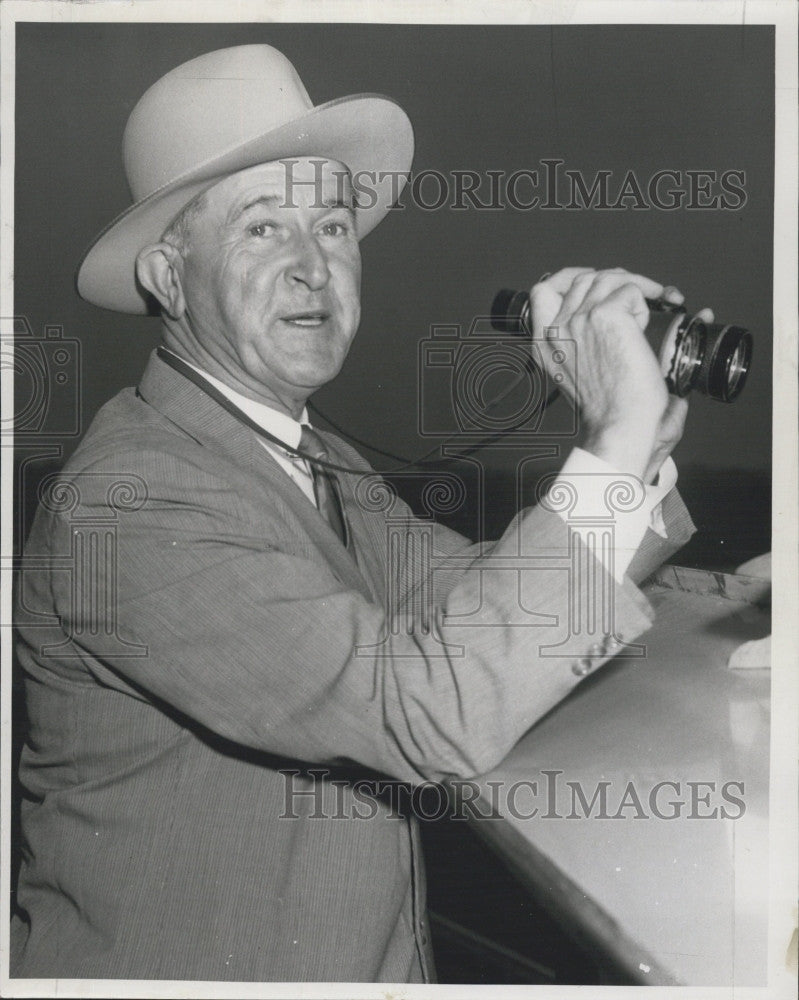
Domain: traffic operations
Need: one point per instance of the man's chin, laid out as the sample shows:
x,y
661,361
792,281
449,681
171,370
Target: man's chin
x,y
310,380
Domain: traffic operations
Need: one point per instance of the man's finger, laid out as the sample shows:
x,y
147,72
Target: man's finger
x,y
629,296
705,315
603,283
673,295
651,289
545,304
561,281
576,296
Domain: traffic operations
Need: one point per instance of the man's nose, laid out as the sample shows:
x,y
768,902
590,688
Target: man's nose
x,y
308,265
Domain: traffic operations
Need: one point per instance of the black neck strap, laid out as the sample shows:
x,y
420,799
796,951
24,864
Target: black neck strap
x,y
186,370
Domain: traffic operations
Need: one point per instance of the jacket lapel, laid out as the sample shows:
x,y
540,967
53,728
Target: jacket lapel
x,y
199,416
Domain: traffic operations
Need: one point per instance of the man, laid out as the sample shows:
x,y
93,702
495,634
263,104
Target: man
x,y
240,628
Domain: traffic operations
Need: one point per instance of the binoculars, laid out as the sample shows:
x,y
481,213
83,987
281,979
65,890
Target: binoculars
x,y
711,358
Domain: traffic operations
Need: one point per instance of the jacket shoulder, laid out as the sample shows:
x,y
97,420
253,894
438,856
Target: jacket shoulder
x,y
133,456
126,425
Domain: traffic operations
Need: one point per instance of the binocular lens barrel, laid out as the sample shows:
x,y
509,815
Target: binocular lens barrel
x,y
711,358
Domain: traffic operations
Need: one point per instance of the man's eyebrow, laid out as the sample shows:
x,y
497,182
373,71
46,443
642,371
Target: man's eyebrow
x,y
338,203
268,200
278,201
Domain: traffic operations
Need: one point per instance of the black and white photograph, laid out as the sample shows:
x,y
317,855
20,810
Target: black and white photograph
x,y
399,512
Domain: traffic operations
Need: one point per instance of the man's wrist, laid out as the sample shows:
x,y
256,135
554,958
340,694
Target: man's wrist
x,y
625,447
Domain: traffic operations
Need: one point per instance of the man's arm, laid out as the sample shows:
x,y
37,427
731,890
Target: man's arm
x,y
253,637
265,647
629,424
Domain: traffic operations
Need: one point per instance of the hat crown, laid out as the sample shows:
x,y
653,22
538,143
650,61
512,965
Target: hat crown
x,y
204,108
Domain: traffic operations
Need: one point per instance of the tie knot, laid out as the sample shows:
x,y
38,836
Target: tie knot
x,y
312,444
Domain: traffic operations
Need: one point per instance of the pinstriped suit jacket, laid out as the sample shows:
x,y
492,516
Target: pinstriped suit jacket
x,y
211,632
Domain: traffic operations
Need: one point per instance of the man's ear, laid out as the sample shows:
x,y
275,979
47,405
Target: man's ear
x,y
158,270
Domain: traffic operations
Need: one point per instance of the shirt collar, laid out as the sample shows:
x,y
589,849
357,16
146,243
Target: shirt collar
x,y
281,425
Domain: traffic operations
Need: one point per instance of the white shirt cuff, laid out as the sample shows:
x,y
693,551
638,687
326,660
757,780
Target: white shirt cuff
x,y
592,482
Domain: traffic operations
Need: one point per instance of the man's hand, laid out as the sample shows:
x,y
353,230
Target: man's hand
x,y
627,416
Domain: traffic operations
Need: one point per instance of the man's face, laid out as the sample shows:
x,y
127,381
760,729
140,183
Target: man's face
x,y
271,276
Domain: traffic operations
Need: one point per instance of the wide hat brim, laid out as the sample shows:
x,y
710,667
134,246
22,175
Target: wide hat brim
x,y
370,134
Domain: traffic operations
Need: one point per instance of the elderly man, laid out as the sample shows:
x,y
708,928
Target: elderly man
x,y
248,626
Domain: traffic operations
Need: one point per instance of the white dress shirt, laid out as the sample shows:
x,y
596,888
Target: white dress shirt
x,y
281,425
589,476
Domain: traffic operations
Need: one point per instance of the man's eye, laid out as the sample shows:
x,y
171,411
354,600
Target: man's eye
x,y
335,229
261,229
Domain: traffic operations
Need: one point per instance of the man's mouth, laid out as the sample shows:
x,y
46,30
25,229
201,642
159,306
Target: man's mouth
x,y
313,318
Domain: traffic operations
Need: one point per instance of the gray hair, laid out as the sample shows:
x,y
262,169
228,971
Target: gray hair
x,y
178,232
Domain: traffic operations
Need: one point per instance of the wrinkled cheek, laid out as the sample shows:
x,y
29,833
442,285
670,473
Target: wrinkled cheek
x,y
246,305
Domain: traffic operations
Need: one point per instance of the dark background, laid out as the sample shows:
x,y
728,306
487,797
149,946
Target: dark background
x,y
481,98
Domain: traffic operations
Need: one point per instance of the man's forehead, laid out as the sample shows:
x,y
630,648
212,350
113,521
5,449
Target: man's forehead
x,y
292,181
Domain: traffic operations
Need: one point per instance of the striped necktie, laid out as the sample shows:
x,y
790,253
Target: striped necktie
x,y
325,486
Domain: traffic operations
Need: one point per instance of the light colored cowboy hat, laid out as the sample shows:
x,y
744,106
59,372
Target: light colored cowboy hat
x,y
220,113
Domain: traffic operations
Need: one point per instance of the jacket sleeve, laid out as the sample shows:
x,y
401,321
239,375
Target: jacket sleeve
x,y
652,552
263,645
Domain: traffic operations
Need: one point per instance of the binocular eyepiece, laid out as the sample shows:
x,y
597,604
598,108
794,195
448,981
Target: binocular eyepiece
x,y
712,358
